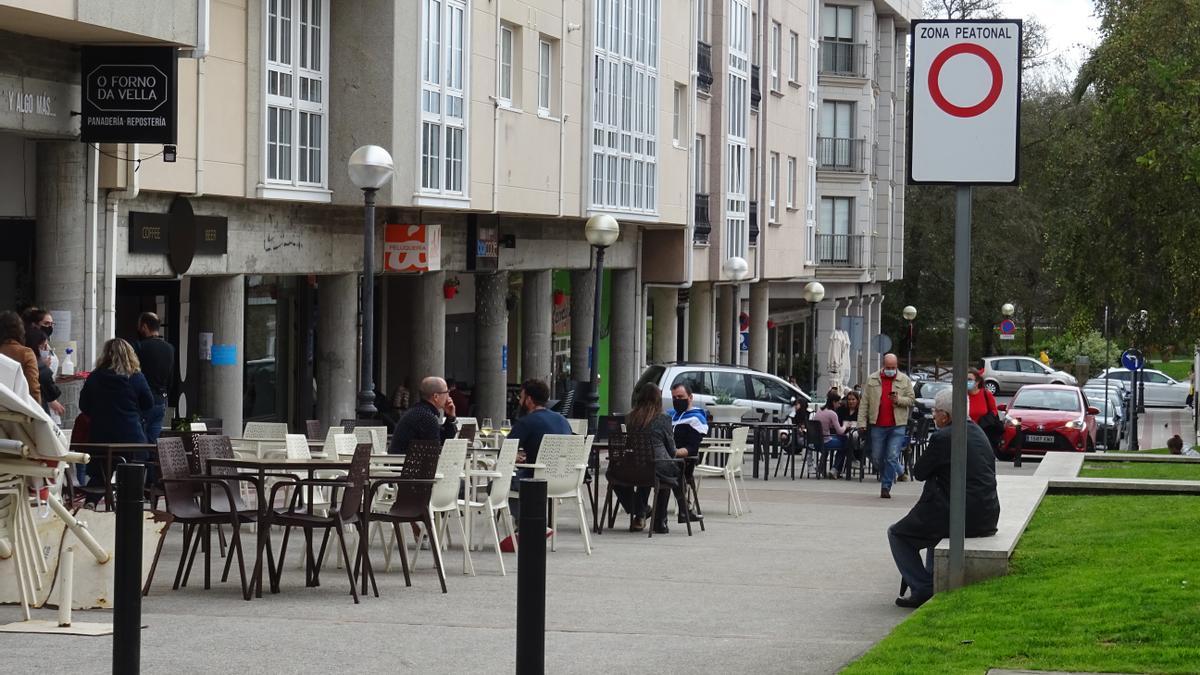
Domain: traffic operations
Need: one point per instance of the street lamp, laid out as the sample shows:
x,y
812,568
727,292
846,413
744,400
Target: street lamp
x,y
1007,310
814,292
370,168
910,314
736,268
601,231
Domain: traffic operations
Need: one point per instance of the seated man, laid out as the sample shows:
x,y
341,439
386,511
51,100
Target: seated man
x,y
535,422
690,427
929,521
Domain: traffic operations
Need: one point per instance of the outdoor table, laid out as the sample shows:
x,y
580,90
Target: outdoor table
x,y
110,449
768,431
598,446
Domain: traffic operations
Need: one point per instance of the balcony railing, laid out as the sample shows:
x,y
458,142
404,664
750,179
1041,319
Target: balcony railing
x,y
703,222
704,78
841,154
755,87
841,250
753,223
846,59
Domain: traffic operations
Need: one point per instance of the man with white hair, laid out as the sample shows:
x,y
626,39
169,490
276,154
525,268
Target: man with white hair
x,y
884,411
929,520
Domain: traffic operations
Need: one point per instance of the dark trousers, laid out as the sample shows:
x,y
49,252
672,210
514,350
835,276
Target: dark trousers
x,y
636,501
153,421
906,551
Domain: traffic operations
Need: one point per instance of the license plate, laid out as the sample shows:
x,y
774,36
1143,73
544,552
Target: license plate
x,y
1039,438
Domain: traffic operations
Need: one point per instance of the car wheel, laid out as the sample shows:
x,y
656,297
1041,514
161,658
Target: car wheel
x,y
992,387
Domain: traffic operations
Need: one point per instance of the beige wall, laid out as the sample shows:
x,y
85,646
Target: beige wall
x,y
99,21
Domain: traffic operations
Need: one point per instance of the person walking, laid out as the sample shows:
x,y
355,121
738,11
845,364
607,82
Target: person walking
x,y
115,397
884,411
12,345
982,409
431,419
157,358
929,520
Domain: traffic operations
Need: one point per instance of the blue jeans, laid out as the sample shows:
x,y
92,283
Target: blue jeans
x,y
886,444
153,421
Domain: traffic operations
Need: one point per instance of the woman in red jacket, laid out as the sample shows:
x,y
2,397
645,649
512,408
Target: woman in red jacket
x,y
981,408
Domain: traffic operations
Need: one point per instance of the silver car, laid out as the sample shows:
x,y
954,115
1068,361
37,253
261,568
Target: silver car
x,y
1162,391
1007,374
762,393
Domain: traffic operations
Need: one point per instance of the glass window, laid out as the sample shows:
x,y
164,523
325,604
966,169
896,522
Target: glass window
x,y
1029,366
295,115
1047,399
794,71
1006,366
723,382
679,113
443,114
545,58
701,156
695,381
766,389
773,189
791,183
1156,378
1120,375
837,23
776,47
506,64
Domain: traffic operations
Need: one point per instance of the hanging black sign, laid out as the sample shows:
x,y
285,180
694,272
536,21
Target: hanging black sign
x,y
179,234
129,95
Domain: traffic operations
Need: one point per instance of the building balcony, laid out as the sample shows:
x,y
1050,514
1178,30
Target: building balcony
x,y
755,87
841,251
847,155
753,220
704,77
703,227
843,59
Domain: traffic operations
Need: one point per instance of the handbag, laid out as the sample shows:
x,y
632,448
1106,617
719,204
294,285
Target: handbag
x,y
990,422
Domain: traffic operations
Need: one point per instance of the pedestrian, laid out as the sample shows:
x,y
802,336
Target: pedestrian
x,y
42,319
982,409
115,397
36,340
647,417
431,419
690,425
157,358
929,520
884,412
12,345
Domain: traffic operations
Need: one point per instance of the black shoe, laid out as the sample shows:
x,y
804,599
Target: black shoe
x,y
695,518
912,601
885,493
638,524
661,528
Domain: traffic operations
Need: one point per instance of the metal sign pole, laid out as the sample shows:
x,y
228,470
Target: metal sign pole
x,y
958,431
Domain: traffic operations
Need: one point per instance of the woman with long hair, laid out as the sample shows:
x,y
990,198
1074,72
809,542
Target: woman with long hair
x,y
115,397
36,340
12,345
648,417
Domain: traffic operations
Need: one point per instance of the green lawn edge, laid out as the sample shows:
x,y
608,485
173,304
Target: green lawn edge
x,y
1141,470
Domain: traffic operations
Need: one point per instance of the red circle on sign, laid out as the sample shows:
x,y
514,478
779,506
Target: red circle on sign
x,y
935,72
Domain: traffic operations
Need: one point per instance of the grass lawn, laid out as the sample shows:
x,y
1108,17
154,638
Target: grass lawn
x,y
1175,369
1152,470
1097,583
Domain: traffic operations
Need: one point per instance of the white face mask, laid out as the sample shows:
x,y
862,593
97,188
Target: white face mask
x,y
889,372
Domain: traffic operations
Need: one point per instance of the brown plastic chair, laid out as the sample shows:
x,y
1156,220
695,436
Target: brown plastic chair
x,y
631,464
312,429
187,497
414,487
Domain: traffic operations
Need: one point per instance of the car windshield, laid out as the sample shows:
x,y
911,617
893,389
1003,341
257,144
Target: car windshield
x,y
1097,401
1046,399
931,389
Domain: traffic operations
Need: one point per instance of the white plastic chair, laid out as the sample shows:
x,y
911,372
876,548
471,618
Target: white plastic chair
x,y
563,461
731,471
578,426
261,439
376,436
495,505
443,501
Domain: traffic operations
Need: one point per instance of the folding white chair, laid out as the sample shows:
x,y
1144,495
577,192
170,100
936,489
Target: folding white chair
x,y
563,465
731,470
578,426
495,504
376,436
443,501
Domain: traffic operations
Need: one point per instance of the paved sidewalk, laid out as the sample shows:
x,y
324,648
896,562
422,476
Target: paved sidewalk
x,y
804,584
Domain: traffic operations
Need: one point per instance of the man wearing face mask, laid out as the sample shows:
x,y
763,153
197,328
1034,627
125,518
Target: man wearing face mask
x,y
929,520
689,426
884,411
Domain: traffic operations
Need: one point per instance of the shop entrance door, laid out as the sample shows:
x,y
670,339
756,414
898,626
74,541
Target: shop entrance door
x,y
280,323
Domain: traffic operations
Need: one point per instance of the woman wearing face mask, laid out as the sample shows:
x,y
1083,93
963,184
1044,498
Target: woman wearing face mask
x,y
981,408
43,321
36,340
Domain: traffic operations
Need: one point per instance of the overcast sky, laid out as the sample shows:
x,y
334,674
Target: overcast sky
x,y
1069,23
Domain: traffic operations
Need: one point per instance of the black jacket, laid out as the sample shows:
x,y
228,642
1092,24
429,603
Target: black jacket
x,y
930,518
420,423
115,404
157,358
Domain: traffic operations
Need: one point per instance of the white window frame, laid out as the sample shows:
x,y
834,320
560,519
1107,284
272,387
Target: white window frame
x,y
794,74
702,20
791,183
776,46
701,168
508,41
545,80
737,141
444,102
288,101
773,189
678,114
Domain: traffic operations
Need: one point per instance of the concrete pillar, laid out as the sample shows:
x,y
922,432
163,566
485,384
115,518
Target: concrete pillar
x,y
826,324
623,362
583,299
491,337
221,302
760,303
700,323
663,302
428,331
336,363
537,323
60,273
725,338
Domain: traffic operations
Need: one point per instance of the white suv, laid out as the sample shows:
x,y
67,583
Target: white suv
x,y
758,391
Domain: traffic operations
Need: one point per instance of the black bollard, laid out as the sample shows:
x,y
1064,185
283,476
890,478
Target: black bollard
x,y
127,571
531,579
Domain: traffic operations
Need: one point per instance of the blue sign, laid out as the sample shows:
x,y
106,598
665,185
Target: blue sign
x,y
745,346
1132,359
224,355
504,357
1008,327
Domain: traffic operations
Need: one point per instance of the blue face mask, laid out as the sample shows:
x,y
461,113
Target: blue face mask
x,y
971,385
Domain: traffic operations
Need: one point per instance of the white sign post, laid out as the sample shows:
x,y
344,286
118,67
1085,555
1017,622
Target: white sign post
x,y
965,130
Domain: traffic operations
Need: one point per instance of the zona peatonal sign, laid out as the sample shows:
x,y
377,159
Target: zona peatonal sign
x,y
129,95
966,102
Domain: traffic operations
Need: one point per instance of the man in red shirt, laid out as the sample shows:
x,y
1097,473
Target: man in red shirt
x,y
884,412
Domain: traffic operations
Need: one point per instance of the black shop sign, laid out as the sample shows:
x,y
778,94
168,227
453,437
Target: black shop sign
x,y
129,95
178,234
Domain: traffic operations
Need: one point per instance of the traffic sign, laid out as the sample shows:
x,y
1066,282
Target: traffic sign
x,y
1008,327
1132,359
966,96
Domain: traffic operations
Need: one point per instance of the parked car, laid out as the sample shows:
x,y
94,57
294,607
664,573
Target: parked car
x,y
1007,374
925,392
1110,421
1047,417
758,391
1162,391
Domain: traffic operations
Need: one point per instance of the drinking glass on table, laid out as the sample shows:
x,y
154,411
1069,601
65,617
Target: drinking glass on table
x,y
486,427
505,427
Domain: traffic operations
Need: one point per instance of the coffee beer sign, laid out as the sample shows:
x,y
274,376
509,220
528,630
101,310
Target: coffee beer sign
x,y
129,95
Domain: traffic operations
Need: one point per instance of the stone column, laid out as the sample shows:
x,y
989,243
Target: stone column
x,y
724,317
583,299
663,302
61,272
222,305
336,362
491,337
622,359
537,324
760,303
428,331
700,323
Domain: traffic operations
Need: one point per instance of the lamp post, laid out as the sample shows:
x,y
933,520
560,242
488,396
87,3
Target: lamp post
x,y
910,314
370,168
737,269
602,231
814,292
1007,310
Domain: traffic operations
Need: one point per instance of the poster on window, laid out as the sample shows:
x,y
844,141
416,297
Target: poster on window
x,y
412,248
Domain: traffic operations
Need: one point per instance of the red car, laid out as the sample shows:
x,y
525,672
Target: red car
x,y
1044,417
